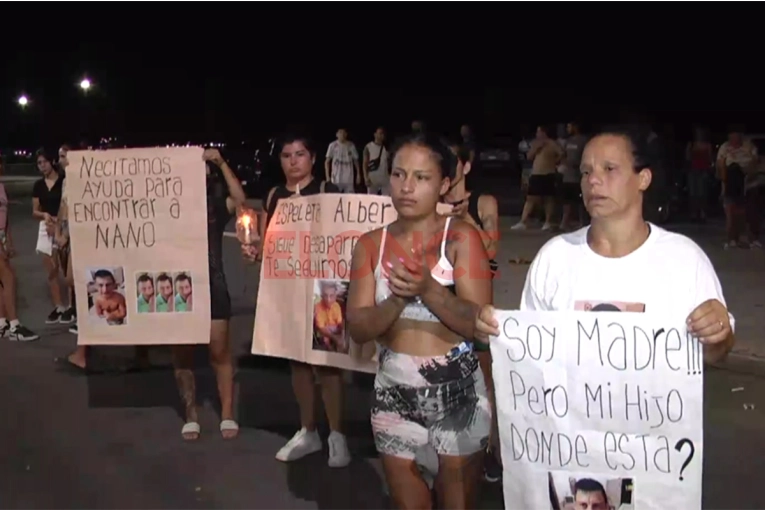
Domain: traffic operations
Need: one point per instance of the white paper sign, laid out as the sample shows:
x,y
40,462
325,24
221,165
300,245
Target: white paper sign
x,y
600,407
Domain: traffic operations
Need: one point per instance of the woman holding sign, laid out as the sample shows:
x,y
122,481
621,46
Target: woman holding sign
x,y
621,262
416,287
297,157
224,195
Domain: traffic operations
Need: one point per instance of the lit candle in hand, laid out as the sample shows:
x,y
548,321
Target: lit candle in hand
x,y
246,226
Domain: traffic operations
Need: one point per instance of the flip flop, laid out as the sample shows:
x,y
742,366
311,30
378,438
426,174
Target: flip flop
x,y
226,425
191,427
66,366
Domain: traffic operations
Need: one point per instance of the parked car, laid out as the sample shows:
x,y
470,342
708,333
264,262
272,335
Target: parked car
x,y
498,155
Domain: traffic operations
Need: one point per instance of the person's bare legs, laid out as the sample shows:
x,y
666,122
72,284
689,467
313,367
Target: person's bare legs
x,y
406,486
528,208
549,210
183,362
8,279
78,357
458,481
305,393
332,395
484,359
223,365
51,267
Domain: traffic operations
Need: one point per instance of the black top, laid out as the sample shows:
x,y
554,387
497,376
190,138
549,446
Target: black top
x,y
313,188
473,212
50,199
473,209
218,217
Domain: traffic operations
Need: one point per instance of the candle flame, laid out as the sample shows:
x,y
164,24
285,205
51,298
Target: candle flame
x,y
246,220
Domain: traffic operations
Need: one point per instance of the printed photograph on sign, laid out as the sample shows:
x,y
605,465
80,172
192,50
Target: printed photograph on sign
x,y
608,306
145,289
329,301
184,291
164,300
106,296
573,491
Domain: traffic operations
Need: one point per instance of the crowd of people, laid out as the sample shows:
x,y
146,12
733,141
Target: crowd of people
x,y
433,414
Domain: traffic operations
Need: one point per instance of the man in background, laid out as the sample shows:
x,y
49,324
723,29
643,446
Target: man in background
x,y
545,155
341,166
376,164
571,191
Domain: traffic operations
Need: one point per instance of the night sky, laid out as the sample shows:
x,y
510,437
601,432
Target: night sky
x,y
156,84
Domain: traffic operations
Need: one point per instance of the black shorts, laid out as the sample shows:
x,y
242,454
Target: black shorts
x,y
541,186
220,300
570,192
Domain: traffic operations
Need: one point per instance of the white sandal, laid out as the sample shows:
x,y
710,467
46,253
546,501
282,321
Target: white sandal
x,y
228,425
191,427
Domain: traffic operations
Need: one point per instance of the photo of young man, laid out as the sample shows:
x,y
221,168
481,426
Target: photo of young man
x,y
109,304
164,300
184,299
145,301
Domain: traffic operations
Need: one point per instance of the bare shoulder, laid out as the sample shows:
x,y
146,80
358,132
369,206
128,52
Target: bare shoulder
x,y
487,204
460,231
369,243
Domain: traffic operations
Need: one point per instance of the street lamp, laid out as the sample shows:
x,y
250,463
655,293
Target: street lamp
x,y
23,100
85,84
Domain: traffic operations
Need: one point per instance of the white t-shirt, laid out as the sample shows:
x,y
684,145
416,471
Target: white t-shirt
x,y
745,154
669,275
343,155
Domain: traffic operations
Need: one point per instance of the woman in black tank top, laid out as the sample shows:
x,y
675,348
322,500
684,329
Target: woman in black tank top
x,y
297,157
480,210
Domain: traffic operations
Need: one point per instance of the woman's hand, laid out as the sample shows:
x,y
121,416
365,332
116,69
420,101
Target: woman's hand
x,y
251,253
485,324
710,322
61,240
407,279
213,156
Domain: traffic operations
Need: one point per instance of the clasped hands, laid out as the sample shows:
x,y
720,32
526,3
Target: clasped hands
x,y
409,277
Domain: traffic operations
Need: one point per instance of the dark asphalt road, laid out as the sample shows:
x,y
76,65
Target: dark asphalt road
x,y
113,441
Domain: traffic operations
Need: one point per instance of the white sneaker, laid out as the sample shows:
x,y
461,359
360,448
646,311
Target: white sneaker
x,y
519,226
547,226
756,244
302,443
339,456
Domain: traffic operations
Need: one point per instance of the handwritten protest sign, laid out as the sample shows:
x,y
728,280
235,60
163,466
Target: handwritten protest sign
x,y
300,313
599,405
138,228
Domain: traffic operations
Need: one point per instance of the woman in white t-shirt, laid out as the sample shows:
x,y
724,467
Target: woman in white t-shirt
x,y
621,262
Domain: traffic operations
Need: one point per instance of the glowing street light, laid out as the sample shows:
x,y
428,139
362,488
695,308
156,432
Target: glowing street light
x,y
85,84
23,100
